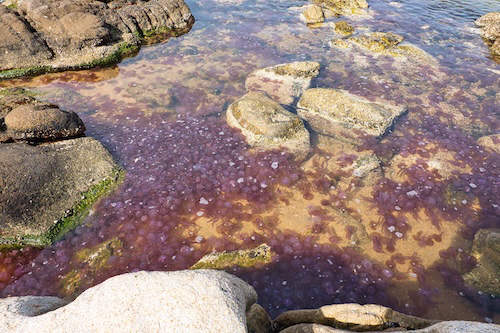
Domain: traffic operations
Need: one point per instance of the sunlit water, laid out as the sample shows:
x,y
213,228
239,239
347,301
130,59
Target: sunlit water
x,y
335,238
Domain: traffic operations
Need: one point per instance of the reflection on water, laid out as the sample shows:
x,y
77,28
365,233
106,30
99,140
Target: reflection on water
x,y
399,236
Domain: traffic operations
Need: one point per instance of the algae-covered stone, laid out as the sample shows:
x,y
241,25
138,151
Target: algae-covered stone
x,y
90,261
385,43
267,125
344,28
345,7
242,258
50,35
285,82
486,249
53,189
346,116
353,317
313,14
490,142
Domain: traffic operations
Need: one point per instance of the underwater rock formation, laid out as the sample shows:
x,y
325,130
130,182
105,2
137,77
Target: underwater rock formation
x,y
490,142
313,14
244,258
342,7
385,43
47,36
486,249
267,125
183,301
346,116
344,28
490,31
285,82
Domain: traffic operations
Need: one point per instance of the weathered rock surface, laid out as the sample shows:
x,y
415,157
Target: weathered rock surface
x,y
243,258
490,31
258,320
486,249
353,317
40,122
385,43
44,36
490,142
182,301
313,14
284,83
37,200
267,125
442,327
346,116
344,7
344,28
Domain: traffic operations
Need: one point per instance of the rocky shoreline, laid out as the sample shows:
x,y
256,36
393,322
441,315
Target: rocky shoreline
x,y
64,173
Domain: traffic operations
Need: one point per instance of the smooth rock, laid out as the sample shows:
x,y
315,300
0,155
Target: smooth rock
x,y
49,185
486,249
490,142
182,301
285,83
353,317
41,122
267,125
313,14
258,320
345,116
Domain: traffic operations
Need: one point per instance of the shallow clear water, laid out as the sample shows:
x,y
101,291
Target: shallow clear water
x,y
336,238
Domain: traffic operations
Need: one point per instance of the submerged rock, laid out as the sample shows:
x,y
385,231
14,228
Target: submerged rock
x,y
284,83
353,317
490,31
313,14
182,301
490,142
385,43
45,36
345,116
486,249
339,7
267,125
243,258
56,185
89,261
344,28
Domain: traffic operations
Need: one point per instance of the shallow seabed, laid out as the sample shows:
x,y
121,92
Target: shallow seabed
x,y
398,237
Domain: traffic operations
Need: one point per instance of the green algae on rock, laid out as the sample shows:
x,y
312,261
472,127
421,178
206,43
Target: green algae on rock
x,y
343,7
344,28
65,179
385,43
89,261
345,116
42,37
267,125
260,255
486,249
